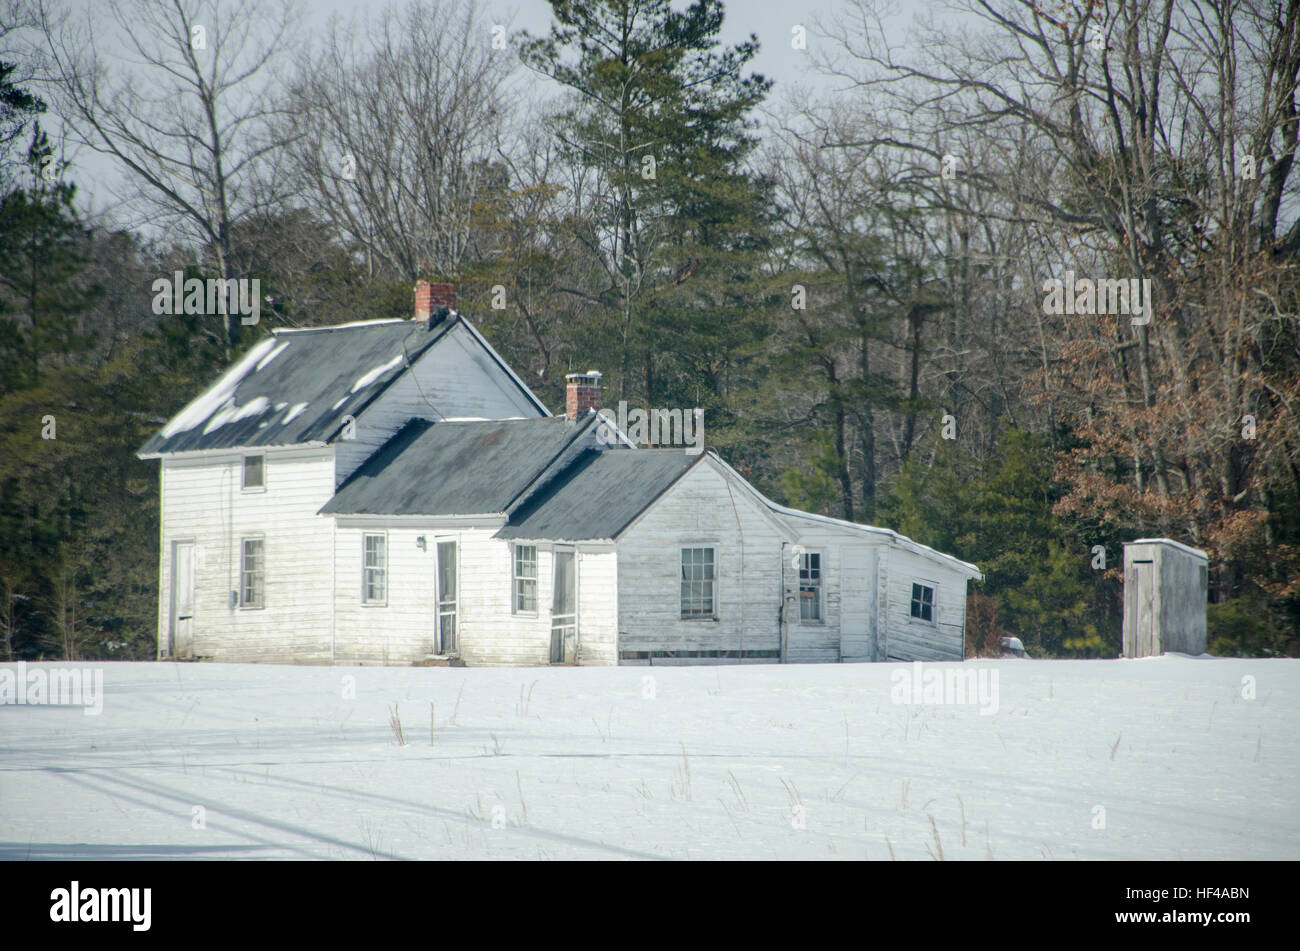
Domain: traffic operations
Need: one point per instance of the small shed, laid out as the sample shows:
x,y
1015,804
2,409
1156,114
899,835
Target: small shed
x,y
1165,587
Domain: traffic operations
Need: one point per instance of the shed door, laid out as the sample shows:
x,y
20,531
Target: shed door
x,y
182,619
1144,608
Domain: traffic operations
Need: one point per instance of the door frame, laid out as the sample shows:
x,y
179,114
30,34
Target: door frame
x,y
573,551
173,617
437,595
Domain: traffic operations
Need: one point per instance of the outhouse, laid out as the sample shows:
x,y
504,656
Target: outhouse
x,y
1165,586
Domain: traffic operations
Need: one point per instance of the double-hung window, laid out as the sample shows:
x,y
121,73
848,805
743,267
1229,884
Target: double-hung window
x,y
525,579
810,586
252,573
374,579
697,583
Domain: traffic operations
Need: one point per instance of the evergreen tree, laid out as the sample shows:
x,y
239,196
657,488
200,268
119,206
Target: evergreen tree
x,y
661,115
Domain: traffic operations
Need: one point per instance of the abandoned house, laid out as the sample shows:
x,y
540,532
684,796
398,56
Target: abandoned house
x,y
391,492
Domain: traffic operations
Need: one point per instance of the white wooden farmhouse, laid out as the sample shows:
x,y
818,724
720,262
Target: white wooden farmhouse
x,y
390,492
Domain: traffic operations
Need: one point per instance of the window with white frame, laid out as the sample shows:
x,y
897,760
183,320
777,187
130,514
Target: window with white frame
x,y
374,579
525,579
810,586
922,602
697,583
252,573
254,472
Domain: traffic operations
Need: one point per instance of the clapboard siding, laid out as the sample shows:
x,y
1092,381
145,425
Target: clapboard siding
x,y
701,510
912,639
203,500
455,378
597,607
402,629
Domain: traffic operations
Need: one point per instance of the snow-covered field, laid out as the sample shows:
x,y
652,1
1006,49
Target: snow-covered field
x,y
1164,758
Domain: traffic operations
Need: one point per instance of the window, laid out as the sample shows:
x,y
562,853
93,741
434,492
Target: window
x,y
697,583
252,573
254,472
525,579
923,602
810,586
374,580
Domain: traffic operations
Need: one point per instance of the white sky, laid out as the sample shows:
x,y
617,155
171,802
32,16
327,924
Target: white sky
x,y
771,20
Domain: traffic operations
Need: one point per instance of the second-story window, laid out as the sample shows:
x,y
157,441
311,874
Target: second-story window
x,y
254,472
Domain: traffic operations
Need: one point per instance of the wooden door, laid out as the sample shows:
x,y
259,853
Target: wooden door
x,y
182,614
1139,597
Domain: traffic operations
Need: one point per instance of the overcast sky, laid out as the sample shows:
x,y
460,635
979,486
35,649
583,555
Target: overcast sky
x,y
771,20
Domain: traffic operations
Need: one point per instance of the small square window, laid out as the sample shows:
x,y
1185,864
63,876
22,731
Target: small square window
x,y
923,602
254,472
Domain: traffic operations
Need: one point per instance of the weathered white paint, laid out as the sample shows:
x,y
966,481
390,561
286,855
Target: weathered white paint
x,y
628,589
702,509
202,500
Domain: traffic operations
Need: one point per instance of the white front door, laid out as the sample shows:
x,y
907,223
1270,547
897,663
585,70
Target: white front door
x,y
182,614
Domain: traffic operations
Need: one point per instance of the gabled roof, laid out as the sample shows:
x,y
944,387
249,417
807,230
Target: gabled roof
x,y
458,468
296,386
881,534
599,494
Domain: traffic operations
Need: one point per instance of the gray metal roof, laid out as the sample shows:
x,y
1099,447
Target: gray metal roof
x,y
296,386
598,495
457,468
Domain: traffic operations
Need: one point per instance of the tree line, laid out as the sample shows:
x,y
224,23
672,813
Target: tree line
x,y
852,284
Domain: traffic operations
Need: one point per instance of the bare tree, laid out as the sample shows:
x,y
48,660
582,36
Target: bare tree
x,y
1170,128
395,123
183,95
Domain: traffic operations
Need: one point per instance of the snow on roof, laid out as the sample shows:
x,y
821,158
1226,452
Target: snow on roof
x,y
281,331
1172,544
218,395
294,412
370,376
316,368
272,355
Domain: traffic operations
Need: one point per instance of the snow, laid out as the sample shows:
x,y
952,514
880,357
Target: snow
x,y
371,375
675,762
280,331
279,349
231,413
220,395
294,412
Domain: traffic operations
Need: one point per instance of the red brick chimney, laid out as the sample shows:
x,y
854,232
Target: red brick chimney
x,y
429,297
581,393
